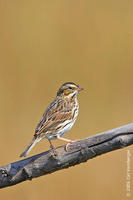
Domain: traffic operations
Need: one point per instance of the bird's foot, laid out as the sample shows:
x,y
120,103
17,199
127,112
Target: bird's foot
x,y
53,153
68,144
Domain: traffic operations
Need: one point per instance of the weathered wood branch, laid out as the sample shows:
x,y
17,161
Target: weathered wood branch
x,y
77,152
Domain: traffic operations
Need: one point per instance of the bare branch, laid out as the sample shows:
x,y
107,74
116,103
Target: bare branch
x,y
77,152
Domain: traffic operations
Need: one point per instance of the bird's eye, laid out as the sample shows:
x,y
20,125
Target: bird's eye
x,y
70,88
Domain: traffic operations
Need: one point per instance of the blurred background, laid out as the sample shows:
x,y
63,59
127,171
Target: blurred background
x,y
44,44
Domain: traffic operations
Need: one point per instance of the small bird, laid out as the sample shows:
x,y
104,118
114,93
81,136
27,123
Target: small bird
x,y
58,118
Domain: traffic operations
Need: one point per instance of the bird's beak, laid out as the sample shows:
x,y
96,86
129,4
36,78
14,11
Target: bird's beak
x,y
80,88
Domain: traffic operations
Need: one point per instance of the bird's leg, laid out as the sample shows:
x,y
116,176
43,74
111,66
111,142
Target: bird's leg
x,y
64,139
51,146
67,140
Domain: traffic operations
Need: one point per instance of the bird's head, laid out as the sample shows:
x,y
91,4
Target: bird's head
x,y
69,90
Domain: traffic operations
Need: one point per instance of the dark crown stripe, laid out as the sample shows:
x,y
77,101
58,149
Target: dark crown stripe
x,y
71,83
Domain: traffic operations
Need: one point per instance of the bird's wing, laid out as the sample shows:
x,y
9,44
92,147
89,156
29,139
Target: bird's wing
x,y
58,111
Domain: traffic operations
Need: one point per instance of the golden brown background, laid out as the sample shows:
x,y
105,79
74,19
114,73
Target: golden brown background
x,y
44,44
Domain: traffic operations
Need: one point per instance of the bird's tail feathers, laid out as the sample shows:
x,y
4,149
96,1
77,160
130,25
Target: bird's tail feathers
x,y
30,146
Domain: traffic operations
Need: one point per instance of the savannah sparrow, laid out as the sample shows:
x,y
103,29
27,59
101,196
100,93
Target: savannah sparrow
x,y
59,117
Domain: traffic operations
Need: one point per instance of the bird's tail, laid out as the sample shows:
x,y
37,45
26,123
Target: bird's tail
x,y
30,146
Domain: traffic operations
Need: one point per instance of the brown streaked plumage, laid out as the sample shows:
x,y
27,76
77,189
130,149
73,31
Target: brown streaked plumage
x,y
59,117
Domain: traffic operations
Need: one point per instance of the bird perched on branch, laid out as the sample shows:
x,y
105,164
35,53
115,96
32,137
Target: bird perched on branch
x,y
59,117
